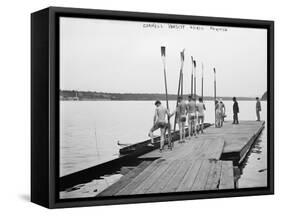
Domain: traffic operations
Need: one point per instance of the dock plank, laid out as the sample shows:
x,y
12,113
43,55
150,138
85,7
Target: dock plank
x,y
201,147
205,150
179,149
186,150
227,176
214,176
190,176
165,177
135,182
177,178
146,184
202,176
216,148
124,180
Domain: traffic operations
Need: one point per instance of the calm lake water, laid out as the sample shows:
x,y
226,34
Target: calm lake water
x,y
90,130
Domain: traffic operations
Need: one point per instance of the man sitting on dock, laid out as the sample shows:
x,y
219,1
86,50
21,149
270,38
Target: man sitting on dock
x,y
191,107
201,114
159,121
235,111
181,117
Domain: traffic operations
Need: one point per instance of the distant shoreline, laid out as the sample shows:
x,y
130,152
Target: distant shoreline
x,y
238,99
72,95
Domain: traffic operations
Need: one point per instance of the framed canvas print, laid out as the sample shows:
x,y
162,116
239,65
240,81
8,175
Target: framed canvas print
x,y
139,107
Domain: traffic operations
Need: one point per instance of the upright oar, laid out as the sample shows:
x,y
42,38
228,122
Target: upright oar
x,y
163,55
192,63
202,82
215,92
180,85
181,79
181,70
195,124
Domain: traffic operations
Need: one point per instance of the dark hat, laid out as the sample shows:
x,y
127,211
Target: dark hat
x,y
157,102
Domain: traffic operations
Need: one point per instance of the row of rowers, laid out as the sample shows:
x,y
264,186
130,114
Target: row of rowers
x,y
191,112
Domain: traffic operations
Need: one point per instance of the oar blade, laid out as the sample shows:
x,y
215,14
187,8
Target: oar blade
x,y
163,51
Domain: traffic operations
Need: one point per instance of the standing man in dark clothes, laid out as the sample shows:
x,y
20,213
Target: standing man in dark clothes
x,y
258,109
235,111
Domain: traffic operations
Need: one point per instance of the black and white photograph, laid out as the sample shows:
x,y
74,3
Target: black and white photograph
x,y
154,108
140,107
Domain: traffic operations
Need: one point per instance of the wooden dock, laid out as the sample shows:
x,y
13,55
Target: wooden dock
x,y
237,141
203,163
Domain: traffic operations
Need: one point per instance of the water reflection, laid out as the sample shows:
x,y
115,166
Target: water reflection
x,y
253,171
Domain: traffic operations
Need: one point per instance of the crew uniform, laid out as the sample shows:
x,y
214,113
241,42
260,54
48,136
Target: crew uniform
x,y
160,113
201,114
191,117
191,110
181,112
219,113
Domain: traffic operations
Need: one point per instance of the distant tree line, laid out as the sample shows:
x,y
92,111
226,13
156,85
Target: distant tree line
x,y
93,95
264,96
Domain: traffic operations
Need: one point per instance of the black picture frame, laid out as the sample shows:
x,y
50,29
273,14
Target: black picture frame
x,y
45,105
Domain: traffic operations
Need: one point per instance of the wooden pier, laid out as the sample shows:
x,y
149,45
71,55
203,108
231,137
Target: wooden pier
x,y
203,163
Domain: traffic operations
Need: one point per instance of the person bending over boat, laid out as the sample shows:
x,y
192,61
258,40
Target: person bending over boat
x,y
181,112
201,114
159,122
191,109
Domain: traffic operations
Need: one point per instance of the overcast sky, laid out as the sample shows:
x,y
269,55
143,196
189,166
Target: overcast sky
x,y
124,56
